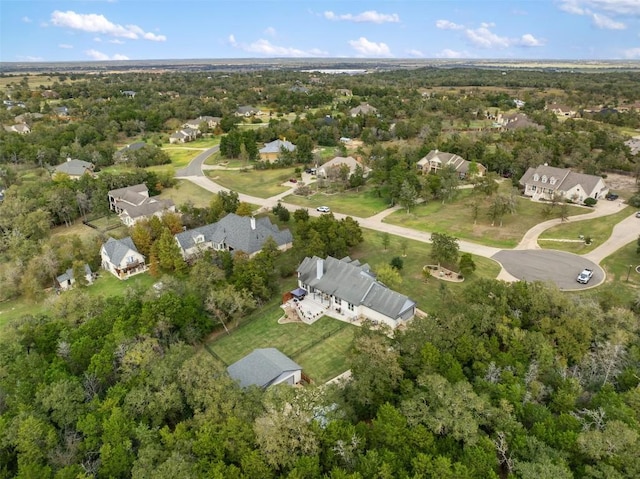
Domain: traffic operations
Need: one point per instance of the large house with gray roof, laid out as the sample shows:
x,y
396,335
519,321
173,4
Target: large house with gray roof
x,y
133,204
352,287
543,182
232,233
121,258
75,169
265,367
272,151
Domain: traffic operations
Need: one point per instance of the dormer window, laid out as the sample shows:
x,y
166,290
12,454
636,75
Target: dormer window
x,y
536,177
199,239
544,178
552,180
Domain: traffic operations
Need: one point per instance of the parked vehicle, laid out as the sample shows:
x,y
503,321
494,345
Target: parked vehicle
x,y
612,196
323,209
585,276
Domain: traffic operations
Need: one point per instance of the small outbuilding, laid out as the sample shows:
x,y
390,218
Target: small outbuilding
x,y
265,367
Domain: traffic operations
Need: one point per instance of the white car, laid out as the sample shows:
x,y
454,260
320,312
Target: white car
x,y
585,276
323,209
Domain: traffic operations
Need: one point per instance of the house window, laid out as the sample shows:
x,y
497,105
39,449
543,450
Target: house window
x,y
533,187
544,178
536,177
199,239
552,180
130,259
350,307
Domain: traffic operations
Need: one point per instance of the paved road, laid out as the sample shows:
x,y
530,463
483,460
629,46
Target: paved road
x,y
526,262
195,167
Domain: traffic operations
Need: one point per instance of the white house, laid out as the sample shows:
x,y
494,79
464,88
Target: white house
x,y
265,367
66,280
121,258
232,233
545,181
352,289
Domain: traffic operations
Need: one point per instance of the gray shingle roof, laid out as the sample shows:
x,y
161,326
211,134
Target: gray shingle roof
x,y
261,367
68,274
354,283
74,167
276,146
117,249
565,178
236,232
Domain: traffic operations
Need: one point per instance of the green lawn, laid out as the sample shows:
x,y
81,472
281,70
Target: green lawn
x,y
186,191
180,157
217,159
599,229
203,143
425,293
260,183
620,266
456,218
363,203
321,361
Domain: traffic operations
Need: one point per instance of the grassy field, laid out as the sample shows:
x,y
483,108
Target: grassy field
x,y
186,191
364,203
424,293
260,183
599,229
321,359
456,218
623,282
181,157
203,143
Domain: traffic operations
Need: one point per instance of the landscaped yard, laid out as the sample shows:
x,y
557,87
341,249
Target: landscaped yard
x,y
186,191
202,143
260,183
424,293
363,203
456,218
321,354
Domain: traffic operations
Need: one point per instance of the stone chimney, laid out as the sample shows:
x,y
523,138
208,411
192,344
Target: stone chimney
x,y
319,268
253,223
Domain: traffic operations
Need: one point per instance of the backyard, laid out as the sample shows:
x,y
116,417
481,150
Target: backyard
x,y
456,218
320,348
260,183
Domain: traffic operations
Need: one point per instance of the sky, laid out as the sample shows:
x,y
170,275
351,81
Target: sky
x,y
48,30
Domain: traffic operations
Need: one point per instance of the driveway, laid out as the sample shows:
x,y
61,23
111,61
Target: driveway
x,y
194,168
558,267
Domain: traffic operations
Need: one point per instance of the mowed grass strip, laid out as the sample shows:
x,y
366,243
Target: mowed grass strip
x,y
327,360
456,218
185,191
260,183
363,203
599,229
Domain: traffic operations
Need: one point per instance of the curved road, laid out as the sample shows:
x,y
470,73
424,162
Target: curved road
x,y
527,261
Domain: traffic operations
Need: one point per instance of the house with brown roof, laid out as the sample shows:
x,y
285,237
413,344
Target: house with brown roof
x,y
210,121
562,110
516,121
363,109
133,204
543,182
21,128
339,162
436,160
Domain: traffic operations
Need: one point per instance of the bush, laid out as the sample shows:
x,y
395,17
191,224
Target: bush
x,y
397,263
590,201
281,212
635,200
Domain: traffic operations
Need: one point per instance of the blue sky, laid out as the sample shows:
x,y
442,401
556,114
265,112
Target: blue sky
x,y
163,29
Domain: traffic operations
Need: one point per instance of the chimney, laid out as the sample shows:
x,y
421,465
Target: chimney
x,y
253,223
319,268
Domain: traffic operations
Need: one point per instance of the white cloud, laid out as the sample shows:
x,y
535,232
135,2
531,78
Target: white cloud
x,y
99,56
367,48
116,41
487,24
95,23
606,23
29,58
370,16
614,7
484,38
26,19
447,25
65,45
415,53
97,39
632,53
528,40
266,48
270,31
448,53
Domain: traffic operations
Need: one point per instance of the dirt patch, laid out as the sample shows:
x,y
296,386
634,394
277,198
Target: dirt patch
x,y
618,182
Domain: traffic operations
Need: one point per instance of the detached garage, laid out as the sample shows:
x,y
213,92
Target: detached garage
x,y
265,367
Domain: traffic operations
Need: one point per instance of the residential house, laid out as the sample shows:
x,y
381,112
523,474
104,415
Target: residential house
x,y
61,111
265,367
562,110
436,160
299,89
634,145
50,94
133,204
352,288
543,182
184,135
248,111
28,117
75,169
517,121
66,280
211,121
121,258
21,128
232,233
271,151
363,109
122,154
337,162
344,92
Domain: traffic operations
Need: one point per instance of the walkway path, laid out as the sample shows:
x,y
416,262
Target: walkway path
x,y
623,233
